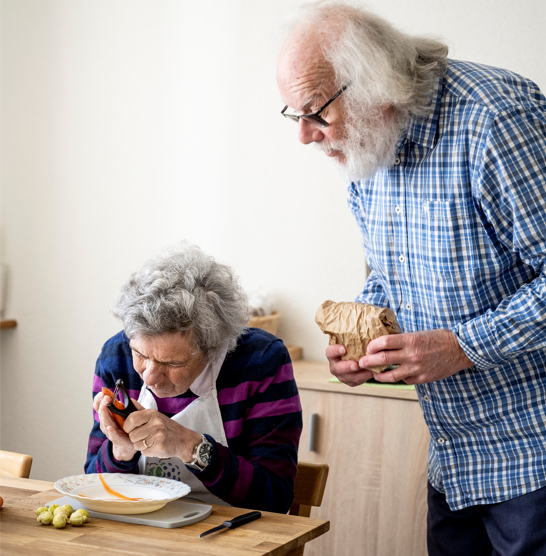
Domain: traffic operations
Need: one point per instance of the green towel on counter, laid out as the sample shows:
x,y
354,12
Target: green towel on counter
x,y
376,384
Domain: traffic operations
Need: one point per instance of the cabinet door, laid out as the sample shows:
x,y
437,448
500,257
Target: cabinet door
x,y
375,496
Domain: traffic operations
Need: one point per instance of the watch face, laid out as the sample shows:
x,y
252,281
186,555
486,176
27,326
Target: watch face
x,y
204,454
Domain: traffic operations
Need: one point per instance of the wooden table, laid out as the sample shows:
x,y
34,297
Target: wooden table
x,y
20,533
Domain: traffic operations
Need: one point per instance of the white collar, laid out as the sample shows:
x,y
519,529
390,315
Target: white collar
x,y
204,383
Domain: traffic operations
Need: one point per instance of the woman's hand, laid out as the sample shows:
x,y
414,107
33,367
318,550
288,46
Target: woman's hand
x,y
155,435
122,447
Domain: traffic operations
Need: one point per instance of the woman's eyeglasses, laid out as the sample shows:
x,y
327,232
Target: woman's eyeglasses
x,y
315,117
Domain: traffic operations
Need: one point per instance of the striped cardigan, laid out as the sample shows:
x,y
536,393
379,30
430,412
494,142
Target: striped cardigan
x,y
260,409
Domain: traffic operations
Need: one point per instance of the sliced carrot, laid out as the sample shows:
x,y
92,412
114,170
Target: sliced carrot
x,y
120,405
113,492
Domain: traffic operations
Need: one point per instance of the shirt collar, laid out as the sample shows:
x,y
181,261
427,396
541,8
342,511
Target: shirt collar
x,y
423,130
202,385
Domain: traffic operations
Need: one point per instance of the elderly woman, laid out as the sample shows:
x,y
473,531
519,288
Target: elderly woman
x,y
218,405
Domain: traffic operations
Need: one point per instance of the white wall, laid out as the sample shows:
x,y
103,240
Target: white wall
x,y
131,124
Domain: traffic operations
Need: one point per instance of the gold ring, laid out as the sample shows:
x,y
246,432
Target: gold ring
x,y
145,445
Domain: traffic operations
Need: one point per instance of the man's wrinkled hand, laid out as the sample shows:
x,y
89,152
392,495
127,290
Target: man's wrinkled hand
x,y
422,356
346,371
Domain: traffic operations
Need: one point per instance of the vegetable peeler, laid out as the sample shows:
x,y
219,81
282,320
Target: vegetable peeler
x,y
129,405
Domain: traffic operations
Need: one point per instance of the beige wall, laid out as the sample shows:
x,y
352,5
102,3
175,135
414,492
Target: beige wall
x,y
131,124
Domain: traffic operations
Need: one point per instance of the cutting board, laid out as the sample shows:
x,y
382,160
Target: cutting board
x,y
175,514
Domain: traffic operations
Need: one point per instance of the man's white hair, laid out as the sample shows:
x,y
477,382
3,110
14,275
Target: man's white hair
x,y
385,68
383,65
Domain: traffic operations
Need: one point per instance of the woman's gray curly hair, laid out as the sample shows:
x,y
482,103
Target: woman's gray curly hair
x,y
383,64
184,290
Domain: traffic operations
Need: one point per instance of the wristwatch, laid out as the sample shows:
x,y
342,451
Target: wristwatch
x,y
202,455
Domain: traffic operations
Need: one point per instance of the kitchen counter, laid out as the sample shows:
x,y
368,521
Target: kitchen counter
x,y
375,440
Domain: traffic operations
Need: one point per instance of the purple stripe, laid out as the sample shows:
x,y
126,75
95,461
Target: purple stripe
x,y
94,444
172,405
96,416
240,489
133,394
278,407
98,384
283,437
284,374
246,390
281,468
233,428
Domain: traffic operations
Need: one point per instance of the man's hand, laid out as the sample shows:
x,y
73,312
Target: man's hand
x,y
155,435
346,371
423,356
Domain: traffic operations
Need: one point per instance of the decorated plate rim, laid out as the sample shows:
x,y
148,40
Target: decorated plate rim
x,y
174,489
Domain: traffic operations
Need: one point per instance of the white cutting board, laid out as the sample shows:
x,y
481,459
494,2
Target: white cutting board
x,y
174,514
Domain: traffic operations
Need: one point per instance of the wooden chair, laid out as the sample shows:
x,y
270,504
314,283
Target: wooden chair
x,y
308,492
15,465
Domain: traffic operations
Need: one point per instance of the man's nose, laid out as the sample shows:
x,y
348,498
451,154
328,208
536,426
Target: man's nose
x,y
309,132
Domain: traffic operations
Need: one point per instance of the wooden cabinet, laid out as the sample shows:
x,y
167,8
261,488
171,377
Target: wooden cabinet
x,y
376,442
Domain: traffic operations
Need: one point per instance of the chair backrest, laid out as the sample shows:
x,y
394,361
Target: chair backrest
x,y
15,465
308,492
309,487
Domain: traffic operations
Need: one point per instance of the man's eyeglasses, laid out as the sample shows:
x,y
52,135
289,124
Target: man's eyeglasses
x,y
316,116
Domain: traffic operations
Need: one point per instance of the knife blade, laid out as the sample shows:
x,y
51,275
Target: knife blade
x,y
233,523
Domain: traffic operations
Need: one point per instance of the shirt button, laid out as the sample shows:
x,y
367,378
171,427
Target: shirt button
x,y
402,259
396,161
408,306
441,441
398,210
426,398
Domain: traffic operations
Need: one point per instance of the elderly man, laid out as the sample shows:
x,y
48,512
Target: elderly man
x,y
446,167
218,406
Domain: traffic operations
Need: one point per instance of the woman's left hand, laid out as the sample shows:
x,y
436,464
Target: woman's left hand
x,y
155,435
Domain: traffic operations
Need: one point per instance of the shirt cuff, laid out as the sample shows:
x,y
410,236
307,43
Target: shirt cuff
x,y
479,343
115,466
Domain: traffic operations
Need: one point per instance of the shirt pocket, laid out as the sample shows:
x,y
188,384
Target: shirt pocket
x,y
446,246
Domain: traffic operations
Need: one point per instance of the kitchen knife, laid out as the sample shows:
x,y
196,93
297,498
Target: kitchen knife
x,y
232,523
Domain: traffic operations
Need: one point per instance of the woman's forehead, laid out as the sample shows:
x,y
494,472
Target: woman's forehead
x,y
163,347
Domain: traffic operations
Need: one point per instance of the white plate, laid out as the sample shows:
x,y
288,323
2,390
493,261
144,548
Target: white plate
x,y
154,491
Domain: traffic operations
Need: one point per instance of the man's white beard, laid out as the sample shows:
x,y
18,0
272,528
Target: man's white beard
x,y
370,144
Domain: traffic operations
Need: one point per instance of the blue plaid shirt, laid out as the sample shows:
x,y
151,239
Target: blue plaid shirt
x,y
455,236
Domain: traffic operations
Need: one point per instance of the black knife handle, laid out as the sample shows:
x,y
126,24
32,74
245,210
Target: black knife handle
x,y
242,519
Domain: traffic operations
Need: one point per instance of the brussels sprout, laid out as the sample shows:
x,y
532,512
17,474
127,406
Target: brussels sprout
x,y
76,520
60,519
60,510
53,507
83,513
69,509
41,510
45,518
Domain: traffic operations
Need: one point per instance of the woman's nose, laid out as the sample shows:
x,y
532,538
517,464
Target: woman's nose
x,y
152,372
309,132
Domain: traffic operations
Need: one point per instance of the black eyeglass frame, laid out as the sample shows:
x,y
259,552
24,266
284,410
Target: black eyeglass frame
x,y
315,117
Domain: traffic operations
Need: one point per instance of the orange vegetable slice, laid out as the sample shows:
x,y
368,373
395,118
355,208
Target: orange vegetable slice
x,y
120,405
114,493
